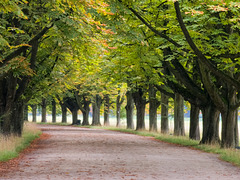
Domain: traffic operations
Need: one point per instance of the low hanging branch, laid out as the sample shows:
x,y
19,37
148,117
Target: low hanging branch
x,y
24,48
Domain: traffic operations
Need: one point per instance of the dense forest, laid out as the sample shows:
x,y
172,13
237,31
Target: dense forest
x,y
92,53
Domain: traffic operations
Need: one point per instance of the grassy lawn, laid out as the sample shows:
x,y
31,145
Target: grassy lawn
x,y
12,146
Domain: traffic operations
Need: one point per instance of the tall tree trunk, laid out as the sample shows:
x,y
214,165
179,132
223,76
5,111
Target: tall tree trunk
x,y
229,116
140,116
210,134
106,110
118,108
86,117
7,94
236,129
44,110
34,113
194,132
17,119
96,111
25,113
13,120
64,112
228,129
86,111
153,106
54,116
140,102
129,110
74,112
83,104
179,115
164,114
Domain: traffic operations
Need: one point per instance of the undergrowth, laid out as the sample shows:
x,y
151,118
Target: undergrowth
x,y
11,146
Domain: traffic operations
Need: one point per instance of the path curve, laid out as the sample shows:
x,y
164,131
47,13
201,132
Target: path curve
x,y
87,154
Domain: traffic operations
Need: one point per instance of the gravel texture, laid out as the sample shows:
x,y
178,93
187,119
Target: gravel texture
x,y
72,153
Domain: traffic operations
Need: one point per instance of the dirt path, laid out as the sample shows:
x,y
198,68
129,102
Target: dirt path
x,y
79,153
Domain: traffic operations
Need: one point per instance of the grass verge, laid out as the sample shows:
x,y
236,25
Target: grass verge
x,y
11,146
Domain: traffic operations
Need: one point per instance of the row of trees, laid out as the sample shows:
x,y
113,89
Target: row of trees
x,y
152,50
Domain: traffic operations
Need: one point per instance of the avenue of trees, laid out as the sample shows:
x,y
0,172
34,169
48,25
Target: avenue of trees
x,y
101,53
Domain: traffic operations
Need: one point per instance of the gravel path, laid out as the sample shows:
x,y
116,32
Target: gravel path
x,y
80,153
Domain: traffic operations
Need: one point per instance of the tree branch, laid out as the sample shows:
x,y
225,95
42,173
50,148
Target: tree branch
x,y
24,48
199,54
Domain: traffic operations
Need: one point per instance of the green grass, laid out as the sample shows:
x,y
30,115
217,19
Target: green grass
x,y
12,146
58,124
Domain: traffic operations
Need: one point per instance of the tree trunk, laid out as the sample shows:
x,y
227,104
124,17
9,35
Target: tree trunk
x,y
34,113
140,116
194,132
164,114
44,110
210,133
140,102
13,120
236,129
85,112
7,95
106,110
179,115
118,109
86,117
129,110
25,113
64,112
74,116
229,116
17,119
96,111
54,116
153,106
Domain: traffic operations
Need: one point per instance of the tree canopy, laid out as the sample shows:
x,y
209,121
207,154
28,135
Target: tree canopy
x,y
91,48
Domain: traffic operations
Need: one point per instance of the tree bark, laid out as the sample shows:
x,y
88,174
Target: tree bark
x,y
140,102
54,114
74,112
85,112
118,108
236,129
44,110
129,110
153,106
164,114
210,134
96,111
34,113
194,132
106,110
64,112
17,119
83,104
25,113
179,115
